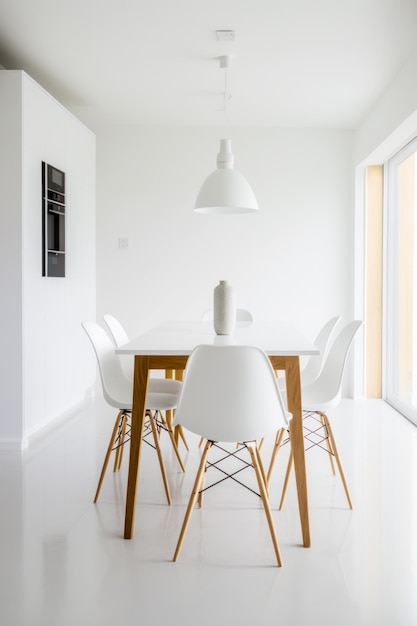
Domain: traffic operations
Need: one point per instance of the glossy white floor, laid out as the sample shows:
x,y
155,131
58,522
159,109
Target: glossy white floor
x,y
64,562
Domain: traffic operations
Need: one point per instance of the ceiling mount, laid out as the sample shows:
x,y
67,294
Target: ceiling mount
x,y
225,35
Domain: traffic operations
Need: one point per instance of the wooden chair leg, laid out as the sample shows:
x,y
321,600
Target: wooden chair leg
x,y
108,453
180,433
193,497
278,440
337,457
161,460
174,444
265,500
201,488
329,448
117,444
168,418
119,451
177,430
287,476
261,465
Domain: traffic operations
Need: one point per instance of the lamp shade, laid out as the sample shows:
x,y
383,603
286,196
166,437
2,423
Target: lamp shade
x,y
225,190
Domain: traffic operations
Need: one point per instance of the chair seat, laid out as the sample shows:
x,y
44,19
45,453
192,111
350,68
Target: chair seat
x,y
161,401
315,398
314,401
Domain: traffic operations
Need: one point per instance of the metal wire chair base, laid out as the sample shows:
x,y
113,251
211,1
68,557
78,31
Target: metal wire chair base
x,y
121,434
235,454
317,433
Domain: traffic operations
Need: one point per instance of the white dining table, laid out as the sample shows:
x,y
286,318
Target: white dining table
x,y
167,347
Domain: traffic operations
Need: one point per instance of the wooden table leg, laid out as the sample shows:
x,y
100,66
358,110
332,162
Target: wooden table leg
x,y
140,388
169,414
178,431
292,372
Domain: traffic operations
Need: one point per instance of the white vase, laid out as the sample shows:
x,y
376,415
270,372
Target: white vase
x,y
224,308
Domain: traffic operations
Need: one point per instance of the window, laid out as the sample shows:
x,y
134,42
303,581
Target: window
x,y
374,280
401,283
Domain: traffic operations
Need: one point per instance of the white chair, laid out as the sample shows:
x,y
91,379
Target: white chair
x,y
120,338
230,394
314,364
117,389
242,315
319,397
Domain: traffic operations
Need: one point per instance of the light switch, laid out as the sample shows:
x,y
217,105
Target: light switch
x,y
123,243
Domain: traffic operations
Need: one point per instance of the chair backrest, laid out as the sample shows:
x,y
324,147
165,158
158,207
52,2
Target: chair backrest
x,y
117,331
315,363
120,337
327,388
230,393
242,315
117,389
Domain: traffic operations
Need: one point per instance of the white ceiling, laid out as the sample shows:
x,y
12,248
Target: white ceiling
x,y
321,63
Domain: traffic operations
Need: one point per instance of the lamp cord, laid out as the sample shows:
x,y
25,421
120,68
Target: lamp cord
x,y
226,98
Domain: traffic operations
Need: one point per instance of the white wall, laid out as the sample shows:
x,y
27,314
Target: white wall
x,y
48,366
292,260
388,127
11,392
392,122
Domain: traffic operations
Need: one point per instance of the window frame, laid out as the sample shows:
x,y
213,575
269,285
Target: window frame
x,y
391,282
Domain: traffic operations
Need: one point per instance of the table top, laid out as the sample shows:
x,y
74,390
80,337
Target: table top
x,y
280,338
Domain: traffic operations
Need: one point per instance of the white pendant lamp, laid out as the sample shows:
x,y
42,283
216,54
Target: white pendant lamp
x,y
225,190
